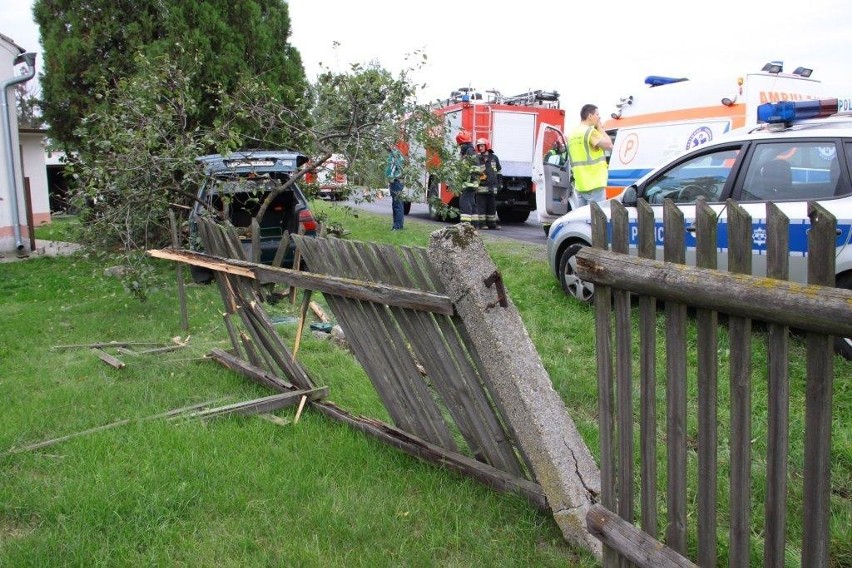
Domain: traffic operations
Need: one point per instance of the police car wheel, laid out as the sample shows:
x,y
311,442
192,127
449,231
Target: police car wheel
x,y
843,345
572,285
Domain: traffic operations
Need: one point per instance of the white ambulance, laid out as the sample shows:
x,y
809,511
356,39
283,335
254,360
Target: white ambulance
x,y
667,117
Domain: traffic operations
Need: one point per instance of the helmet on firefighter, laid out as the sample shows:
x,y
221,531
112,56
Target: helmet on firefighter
x,y
463,136
483,142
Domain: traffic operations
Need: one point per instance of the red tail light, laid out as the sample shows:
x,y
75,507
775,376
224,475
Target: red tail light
x,y
306,218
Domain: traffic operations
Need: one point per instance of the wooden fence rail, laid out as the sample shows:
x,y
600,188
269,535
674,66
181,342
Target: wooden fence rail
x,y
818,309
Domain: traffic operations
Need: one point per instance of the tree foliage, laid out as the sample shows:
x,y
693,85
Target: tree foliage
x,y
92,43
28,106
136,92
136,155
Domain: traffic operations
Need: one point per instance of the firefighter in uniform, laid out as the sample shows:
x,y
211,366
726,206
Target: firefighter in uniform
x,y
489,181
467,199
586,145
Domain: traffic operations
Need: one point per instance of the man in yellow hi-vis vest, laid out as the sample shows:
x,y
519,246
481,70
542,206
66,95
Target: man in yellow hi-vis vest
x,y
586,146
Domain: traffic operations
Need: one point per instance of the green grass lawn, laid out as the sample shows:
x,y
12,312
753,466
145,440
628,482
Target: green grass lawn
x,y
247,492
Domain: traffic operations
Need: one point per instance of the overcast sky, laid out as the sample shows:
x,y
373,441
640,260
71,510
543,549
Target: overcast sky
x,y
596,53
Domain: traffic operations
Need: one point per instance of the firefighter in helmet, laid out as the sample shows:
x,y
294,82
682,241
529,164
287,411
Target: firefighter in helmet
x,y
470,176
489,183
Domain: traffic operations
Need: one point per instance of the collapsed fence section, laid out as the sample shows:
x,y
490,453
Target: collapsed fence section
x,y
442,344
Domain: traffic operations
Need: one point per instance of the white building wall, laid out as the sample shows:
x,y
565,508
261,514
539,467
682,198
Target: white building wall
x,y
35,169
8,52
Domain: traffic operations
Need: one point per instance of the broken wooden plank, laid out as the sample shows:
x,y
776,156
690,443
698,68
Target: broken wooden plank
x,y
184,317
205,261
306,300
108,359
301,407
101,344
157,350
250,371
421,449
283,245
357,289
297,264
320,313
262,405
168,414
232,334
629,541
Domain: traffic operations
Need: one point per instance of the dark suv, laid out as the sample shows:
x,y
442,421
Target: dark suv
x,y
236,184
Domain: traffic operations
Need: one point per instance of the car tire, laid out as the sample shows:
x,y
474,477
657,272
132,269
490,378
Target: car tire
x,y
572,285
843,345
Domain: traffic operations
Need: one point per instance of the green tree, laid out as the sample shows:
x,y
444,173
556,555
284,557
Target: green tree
x,y
92,43
136,154
28,106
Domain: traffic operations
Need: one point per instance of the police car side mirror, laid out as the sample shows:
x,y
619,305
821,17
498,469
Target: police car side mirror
x,y
629,197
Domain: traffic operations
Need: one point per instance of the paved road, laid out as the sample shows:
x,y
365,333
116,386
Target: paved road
x,y
530,232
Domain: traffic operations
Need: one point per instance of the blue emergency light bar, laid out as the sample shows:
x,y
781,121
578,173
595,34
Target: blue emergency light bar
x,y
789,111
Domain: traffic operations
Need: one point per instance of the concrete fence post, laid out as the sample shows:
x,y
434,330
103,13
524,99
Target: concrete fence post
x,y
562,463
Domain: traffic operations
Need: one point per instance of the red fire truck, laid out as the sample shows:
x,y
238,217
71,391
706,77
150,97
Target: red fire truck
x,y
511,124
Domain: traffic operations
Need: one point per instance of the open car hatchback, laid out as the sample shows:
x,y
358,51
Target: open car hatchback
x,y
236,185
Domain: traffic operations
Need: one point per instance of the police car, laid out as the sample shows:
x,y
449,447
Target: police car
x,y
801,152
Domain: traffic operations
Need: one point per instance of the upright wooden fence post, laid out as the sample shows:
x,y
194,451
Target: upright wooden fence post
x,y
184,318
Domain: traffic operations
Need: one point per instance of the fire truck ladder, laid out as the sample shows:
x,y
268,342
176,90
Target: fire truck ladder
x,y
481,122
534,98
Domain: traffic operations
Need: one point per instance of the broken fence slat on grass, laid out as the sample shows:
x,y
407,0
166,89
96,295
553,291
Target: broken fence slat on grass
x,y
168,414
261,405
108,359
633,544
102,344
253,372
422,449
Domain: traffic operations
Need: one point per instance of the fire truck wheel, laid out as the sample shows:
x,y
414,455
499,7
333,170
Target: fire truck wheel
x,y
512,216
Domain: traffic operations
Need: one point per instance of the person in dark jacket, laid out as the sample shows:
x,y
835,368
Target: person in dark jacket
x,y
467,198
393,173
489,183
